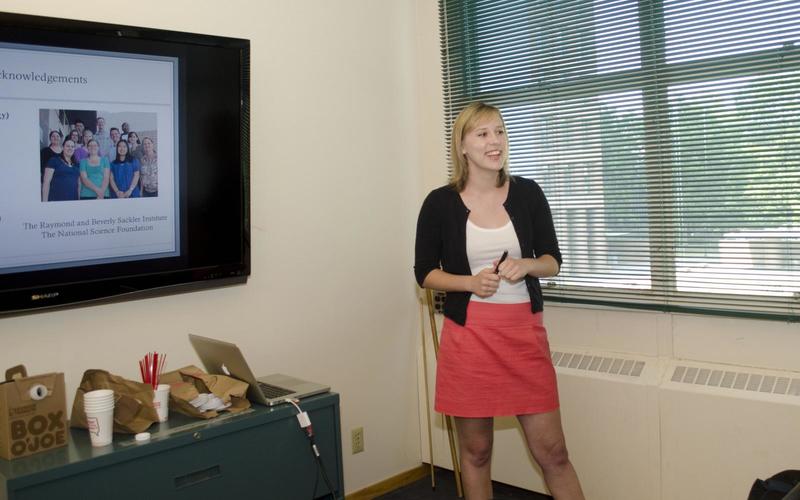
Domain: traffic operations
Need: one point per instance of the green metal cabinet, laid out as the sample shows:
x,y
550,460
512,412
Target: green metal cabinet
x,y
260,453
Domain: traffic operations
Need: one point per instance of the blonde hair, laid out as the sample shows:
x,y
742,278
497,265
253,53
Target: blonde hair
x,y
466,121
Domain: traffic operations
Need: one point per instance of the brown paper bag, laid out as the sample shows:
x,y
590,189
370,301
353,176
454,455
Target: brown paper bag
x,y
188,382
33,413
133,402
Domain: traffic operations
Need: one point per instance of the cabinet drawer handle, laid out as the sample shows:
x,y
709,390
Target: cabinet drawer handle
x,y
197,477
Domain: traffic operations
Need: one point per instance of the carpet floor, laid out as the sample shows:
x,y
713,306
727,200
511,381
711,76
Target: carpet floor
x,y
446,488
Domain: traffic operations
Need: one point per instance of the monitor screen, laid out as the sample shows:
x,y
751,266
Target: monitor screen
x,y
126,161
85,208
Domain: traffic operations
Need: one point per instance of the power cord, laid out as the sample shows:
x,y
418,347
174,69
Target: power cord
x,y
305,424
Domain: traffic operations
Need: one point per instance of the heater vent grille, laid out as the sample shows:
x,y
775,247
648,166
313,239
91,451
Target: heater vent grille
x,y
740,381
601,364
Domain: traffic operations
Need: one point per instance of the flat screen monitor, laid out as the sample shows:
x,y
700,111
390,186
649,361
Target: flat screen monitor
x,y
125,162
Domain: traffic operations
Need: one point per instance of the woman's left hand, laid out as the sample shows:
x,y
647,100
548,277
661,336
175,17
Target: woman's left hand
x,y
513,269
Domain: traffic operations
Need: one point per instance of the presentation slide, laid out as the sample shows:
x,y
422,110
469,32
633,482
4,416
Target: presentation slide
x,y
90,165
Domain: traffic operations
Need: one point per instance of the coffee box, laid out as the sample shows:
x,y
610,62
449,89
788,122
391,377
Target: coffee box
x,y
33,413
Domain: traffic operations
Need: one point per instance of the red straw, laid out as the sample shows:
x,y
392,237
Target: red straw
x,y
161,366
154,379
151,367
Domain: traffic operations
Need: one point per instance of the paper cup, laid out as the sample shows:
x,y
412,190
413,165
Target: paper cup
x,y
98,405
161,402
98,408
105,402
100,395
101,426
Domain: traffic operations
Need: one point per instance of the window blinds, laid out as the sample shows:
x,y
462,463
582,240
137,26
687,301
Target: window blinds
x,y
666,135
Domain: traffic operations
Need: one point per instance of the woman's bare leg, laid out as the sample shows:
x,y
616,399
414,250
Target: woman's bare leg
x,y
545,439
475,438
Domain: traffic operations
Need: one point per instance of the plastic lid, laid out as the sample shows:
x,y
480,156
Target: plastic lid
x,y
142,437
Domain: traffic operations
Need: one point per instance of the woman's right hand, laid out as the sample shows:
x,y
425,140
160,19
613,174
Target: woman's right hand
x,y
485,283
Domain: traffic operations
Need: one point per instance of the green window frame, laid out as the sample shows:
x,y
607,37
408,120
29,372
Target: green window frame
x,y
665,134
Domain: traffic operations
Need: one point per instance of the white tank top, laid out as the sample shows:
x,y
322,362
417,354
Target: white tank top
x,y
487,245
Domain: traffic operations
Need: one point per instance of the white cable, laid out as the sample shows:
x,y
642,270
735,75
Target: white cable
x,y
305,424
302,416
289,400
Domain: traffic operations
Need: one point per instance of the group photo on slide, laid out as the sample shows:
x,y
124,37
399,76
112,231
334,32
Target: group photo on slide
x,y
97,155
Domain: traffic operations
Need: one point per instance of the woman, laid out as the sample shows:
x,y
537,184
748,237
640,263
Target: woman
x,y
493,237
124,173
149,169
60,182
135,147
75,136
95,173
82,149
53,149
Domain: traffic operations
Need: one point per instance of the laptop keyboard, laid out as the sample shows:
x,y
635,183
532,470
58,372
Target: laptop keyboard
x,y
273,391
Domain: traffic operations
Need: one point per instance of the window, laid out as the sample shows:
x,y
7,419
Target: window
x,y
665,133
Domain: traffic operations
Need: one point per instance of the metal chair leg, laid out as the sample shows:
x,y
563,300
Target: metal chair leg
x,y
427,396
447,418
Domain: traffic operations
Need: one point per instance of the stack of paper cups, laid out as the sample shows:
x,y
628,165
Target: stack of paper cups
x,y
99,407
161,402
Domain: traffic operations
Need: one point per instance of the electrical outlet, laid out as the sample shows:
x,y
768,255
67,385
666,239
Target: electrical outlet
x,y
357,436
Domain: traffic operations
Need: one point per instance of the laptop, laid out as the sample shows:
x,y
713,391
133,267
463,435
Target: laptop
x,y
226,358
794,494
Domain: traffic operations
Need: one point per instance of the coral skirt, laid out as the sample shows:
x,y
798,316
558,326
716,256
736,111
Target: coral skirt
x,y
497,364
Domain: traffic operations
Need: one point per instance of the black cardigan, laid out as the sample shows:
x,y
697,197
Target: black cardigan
x,y
442,238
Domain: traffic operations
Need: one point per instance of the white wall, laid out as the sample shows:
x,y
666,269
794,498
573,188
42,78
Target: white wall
x,y
335,180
